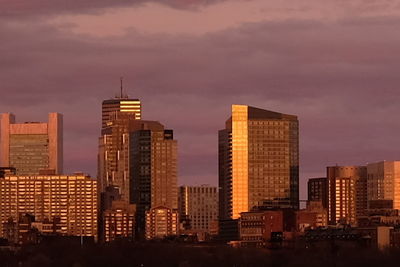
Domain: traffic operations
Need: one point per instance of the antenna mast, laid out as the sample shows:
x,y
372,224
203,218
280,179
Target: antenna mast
x,y
121,79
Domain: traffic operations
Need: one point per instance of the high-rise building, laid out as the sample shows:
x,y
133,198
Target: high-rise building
x,y
318,190
113,166
347,193
111,108
198,205
32,146
161,222
153,176
119,221
258,161
384,183
70,198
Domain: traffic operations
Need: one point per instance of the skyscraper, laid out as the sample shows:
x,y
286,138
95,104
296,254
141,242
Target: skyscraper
x,y
347,193
111,107
258,161
153,161
32,146
384,182
199,205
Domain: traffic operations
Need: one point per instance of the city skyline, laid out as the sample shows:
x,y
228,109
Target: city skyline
x,y
317,61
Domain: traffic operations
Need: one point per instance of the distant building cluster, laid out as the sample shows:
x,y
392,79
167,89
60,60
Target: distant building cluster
x,y
136,194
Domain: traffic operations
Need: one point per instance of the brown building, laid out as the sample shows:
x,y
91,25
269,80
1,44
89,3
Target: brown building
x,y
257,228
154,173
121,104
31,146
198,205
258,161
119,221
161,222
318,190
114,166
384,183
347,193
26,230
314,216
71,198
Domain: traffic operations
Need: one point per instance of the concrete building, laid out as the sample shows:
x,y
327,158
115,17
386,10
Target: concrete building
x,y
258,161
32,146
318,190
347,193
71,198
198,205
119,221
384,182
161,222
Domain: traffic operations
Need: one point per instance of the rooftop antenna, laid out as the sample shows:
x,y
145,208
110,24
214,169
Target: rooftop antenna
x,y
121,79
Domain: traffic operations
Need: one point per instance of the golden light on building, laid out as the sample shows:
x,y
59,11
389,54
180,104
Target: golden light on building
x,y
258,161
161,222
384,182
71,198
347,195
119,221
31,146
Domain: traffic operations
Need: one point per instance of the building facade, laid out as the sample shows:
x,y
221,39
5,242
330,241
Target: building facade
x,y
347,193
198,205
111,107
71,198
32,146
258,161
384,183
119,221
318,190
154,173
161,222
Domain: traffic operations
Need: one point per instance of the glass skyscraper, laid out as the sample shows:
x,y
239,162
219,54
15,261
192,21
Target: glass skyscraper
x,y
258,161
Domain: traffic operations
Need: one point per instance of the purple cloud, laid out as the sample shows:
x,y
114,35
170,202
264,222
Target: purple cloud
x,y
21,8
340,78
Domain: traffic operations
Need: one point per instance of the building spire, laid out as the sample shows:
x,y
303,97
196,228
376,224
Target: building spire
x,y
121,79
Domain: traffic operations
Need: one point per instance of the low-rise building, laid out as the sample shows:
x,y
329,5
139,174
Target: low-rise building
x,y
161,222
119,221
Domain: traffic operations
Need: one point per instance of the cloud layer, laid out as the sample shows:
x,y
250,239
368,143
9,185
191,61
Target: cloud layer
x,y
340,77
20,8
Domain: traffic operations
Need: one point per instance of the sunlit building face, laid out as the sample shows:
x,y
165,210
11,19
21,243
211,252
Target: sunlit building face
x,y
71,198
31,146
258,161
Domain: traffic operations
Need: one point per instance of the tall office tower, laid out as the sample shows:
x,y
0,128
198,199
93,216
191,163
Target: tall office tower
x,y
153,161
318,191
113,165
111,107
161,222
347,193
71,199
199,205
32,146
384,182
258,161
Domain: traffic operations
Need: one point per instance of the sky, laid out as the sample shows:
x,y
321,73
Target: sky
x,y
333,63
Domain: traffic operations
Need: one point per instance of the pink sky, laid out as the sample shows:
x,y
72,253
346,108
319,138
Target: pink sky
x,y
334,63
